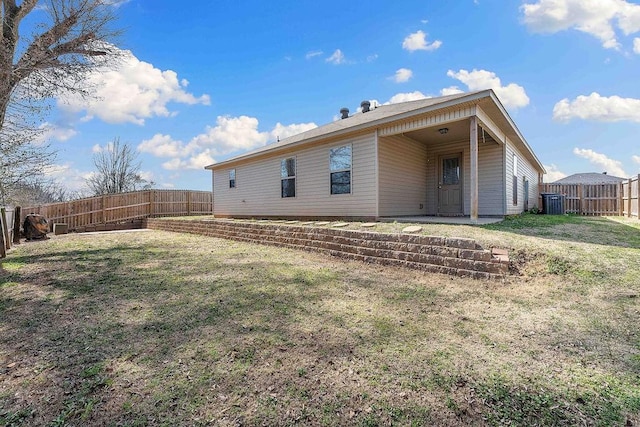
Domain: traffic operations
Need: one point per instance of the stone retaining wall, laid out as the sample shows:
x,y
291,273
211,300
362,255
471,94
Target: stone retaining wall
x,y
455,256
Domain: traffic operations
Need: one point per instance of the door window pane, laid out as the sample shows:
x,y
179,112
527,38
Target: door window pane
x,y
451,171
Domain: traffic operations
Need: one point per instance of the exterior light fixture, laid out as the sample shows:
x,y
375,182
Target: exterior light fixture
x,y
443,130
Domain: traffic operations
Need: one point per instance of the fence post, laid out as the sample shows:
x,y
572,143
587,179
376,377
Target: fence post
x,y
104,209
629,198
637,196
5,228
152,199
17,214
188,202
3,250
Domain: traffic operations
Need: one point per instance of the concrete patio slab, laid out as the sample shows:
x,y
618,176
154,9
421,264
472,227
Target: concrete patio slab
x,y
459,220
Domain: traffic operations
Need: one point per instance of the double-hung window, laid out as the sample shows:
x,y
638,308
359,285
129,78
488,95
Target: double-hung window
x,y
232,178
340,169
288,177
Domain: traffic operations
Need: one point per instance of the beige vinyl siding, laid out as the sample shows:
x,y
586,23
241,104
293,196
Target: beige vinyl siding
x,y
402,166
491,194
490,177
257,191
525,169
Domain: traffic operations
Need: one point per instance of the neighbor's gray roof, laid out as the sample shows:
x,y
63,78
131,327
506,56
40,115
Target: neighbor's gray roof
x,y
376,116
590,178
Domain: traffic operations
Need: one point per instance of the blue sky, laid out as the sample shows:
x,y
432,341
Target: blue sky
x,y
202,81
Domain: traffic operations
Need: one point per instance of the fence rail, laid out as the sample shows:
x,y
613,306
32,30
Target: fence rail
x,y
598,199
116,208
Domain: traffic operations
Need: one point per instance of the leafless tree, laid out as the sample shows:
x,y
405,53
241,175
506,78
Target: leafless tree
x,y
117,170
48,54
57,57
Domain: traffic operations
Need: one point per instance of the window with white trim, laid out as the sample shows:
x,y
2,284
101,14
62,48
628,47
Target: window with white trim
x,y
232,178
340,169
288,177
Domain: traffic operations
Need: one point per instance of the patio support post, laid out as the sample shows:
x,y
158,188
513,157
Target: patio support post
x,y
473,179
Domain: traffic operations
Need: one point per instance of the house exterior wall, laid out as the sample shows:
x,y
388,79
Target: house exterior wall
x,y
402,179
257,191
525,170
491,194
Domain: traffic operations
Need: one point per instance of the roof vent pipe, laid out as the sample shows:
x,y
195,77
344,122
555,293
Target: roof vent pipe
x,y
344,112
366,105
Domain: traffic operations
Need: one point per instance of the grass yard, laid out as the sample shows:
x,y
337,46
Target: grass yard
x,y
154,328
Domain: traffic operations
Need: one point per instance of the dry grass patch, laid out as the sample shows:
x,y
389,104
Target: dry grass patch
x,y
156,328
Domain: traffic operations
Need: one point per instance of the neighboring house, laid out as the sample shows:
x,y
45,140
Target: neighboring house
x,y
590,178
453,155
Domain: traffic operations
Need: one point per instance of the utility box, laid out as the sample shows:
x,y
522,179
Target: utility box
x,y
60,229
552,204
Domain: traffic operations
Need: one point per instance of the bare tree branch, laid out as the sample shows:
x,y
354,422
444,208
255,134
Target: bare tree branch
x,y
117,170
54,59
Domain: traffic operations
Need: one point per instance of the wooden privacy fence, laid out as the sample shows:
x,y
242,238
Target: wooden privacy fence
x,y
598,199
123,207
9,229
630,200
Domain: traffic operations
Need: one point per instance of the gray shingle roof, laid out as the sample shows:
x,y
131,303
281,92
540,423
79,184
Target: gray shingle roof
x,y
356,121
590,178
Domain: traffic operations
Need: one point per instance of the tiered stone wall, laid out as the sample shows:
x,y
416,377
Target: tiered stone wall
x,y
455,256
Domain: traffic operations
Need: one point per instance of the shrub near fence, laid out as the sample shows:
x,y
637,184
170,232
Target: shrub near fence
x,y
124,207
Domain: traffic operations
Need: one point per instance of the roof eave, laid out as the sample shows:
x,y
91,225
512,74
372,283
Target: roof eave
x,y
513,125
363,126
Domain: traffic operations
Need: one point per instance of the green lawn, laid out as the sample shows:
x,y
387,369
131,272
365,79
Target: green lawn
x,y
155,328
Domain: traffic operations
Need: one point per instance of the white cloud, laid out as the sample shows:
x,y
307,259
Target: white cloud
x,y
511,95
131,92
51,131
162,146
336,58
599,18
636,45
418,41
229,135
313,54
612,167
406,96
553,173
636,159
68,177
451,90
372,58
596,107
197,161
402,75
